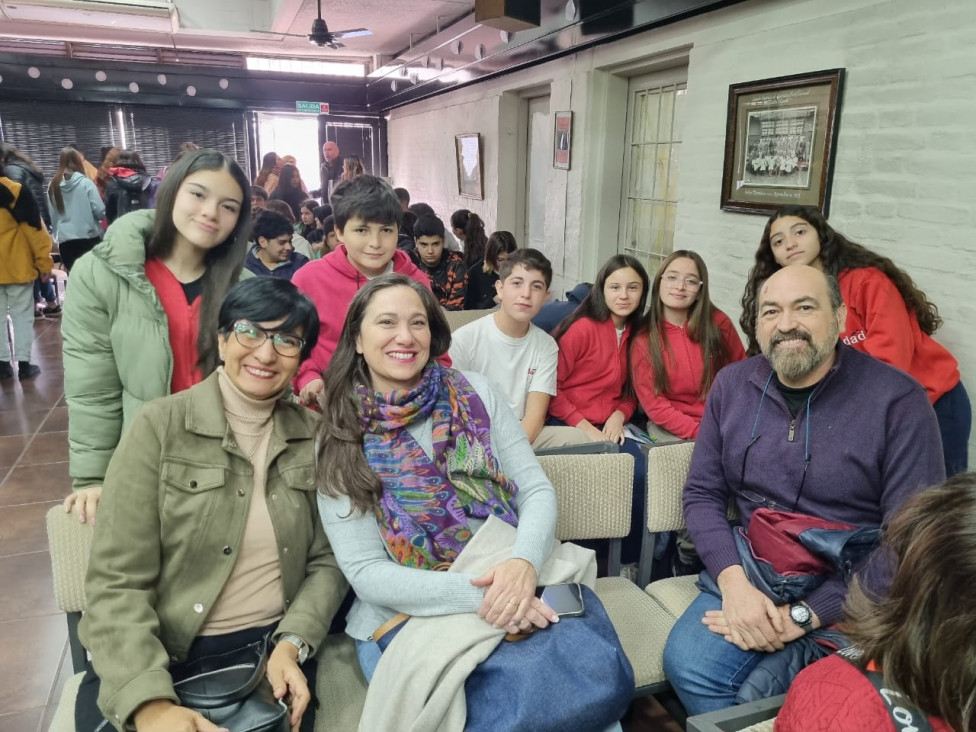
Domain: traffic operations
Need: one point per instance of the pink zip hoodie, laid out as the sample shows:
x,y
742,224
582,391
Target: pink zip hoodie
x,y
332,282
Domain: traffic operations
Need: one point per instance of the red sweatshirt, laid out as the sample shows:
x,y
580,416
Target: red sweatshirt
x,y
678,410
183,321
879,323
332,282
591,373
833,696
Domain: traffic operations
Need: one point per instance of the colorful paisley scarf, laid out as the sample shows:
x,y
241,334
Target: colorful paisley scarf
x,y
424,510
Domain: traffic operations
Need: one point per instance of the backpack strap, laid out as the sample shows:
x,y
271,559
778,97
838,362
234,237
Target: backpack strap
x,y
904,714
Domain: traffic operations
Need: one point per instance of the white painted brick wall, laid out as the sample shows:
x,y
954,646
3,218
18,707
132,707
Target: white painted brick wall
x,y
905,177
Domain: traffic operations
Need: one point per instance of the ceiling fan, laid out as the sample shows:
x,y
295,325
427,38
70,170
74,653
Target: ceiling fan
x,y
320,34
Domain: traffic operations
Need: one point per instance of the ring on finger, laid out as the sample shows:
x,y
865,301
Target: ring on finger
x,y
512,601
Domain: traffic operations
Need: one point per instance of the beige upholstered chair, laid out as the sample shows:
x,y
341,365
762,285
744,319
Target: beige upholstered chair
x,y
340,688
458,318
70,545
667,468
594,494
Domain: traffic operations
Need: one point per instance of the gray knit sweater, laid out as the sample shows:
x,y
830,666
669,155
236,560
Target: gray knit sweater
x,y
384,587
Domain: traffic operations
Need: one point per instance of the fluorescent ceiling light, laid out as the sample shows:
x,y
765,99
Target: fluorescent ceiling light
x,y
303,66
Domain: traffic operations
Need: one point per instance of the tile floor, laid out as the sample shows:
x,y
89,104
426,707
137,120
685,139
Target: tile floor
x,y
33,477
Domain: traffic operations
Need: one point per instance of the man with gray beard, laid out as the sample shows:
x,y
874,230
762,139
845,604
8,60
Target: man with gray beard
x,y
811,429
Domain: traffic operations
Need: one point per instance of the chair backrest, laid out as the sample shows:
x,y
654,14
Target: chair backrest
x,y
667,470
458,318
593,493
70,543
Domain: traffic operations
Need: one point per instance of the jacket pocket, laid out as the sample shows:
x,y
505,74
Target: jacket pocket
x,y
300,477
192,478
190,492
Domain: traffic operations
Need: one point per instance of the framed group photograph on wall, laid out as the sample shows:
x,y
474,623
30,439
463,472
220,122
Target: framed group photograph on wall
x,y
780,142
471,182
562,140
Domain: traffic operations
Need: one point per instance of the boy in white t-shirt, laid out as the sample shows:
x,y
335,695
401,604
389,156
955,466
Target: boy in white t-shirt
x,y
518,358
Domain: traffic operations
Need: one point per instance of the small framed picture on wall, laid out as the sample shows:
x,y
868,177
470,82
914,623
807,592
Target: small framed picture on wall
x,y
562,140
471,182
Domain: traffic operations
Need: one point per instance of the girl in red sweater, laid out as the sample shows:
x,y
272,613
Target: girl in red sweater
x,y
685,341
593,386
887,315
918,636
593,391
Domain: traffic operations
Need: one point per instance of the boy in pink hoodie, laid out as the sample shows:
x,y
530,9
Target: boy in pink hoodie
x,y
367,217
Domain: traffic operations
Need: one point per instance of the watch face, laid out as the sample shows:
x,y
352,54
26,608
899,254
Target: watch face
x,y
800,614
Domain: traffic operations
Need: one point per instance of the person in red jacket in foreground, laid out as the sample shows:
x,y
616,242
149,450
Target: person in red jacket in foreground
x,y
887,315
919,638
685,341
367,218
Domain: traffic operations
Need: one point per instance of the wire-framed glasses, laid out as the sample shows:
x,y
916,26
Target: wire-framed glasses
x,y
673,280
252,336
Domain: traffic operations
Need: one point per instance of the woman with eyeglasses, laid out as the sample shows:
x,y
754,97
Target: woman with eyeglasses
x,y
140,319
208,533
684,342
888,317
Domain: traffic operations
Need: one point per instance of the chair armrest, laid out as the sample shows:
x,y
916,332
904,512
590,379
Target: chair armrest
x,y
738,718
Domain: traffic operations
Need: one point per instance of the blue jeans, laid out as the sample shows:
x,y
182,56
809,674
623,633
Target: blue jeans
x,y
705,670
369,654
955,415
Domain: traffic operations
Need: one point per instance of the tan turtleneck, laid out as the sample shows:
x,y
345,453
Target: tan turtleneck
x,y
253,594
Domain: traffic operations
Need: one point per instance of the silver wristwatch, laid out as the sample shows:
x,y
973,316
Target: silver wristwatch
x,y
301,645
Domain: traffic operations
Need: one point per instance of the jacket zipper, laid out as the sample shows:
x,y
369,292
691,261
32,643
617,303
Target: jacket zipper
x,y
792,433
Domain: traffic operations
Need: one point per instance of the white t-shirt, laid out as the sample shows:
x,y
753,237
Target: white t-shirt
x,y
513,366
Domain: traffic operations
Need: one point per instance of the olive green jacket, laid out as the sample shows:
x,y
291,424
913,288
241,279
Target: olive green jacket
x,y
116,345
170,523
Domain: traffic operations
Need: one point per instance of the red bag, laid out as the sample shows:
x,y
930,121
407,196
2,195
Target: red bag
x,y
775,537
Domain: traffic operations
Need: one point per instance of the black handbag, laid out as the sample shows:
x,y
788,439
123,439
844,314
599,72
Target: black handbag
x,y
232,690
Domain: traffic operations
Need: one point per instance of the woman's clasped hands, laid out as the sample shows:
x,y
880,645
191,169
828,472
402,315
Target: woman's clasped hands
x,y
510,600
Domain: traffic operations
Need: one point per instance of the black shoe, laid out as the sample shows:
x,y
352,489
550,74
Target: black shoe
x,y
681,568
52,310
6,370
27,370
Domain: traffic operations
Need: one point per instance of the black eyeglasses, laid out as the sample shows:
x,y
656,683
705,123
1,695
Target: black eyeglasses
x,y
251,336
761,500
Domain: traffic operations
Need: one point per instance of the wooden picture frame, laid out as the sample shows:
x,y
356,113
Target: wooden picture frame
x,y
470,165
562,140
780,142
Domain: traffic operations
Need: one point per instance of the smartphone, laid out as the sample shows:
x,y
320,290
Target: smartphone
x,y
566,600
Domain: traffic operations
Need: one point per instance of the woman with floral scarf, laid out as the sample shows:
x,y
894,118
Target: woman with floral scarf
x,y
413,458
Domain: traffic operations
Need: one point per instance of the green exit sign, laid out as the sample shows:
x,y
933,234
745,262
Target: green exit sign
x,y
312,107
